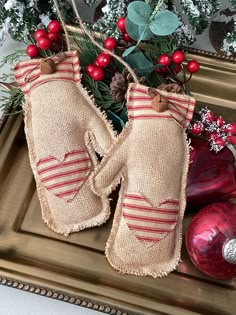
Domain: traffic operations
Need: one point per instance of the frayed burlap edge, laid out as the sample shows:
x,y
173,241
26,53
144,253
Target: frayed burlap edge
x,y
121,177
45,209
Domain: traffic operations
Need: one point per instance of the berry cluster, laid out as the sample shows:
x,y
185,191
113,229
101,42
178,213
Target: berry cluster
x,y
214,129
172,65
44,39
96,70
121,26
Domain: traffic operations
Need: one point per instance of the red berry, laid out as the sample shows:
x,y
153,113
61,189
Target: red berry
x,y
96,63
197,128
32,51
53,37
232,139
193,66
121,24
103,60
220,142
110,43
98,74
178,56
40,33
209,116
161,70
164,60
126,37
212,136
231,128
89,69
44,43
54,27
178,68
219,121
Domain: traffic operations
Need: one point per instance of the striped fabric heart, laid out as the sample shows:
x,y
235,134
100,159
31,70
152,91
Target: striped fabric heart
x,y
149,224
64,178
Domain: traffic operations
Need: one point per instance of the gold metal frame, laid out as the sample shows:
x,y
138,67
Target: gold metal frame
x,y
74,269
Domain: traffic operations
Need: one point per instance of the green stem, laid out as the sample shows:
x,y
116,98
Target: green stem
x,y
157,8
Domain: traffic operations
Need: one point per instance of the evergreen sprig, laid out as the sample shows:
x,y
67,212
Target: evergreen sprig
x,y
13,100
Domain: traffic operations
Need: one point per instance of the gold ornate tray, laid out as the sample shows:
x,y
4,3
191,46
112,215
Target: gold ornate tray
x,y
74,269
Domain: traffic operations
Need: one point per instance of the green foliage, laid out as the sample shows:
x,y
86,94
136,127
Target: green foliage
x,y
13,100
101,93
143,24
140,62
13,58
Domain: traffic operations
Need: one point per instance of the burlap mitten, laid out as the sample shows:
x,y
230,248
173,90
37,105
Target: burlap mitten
x,y
151,157
63,127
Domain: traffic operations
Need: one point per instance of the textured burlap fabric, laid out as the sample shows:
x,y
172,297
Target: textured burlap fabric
x,y
150,158
63,129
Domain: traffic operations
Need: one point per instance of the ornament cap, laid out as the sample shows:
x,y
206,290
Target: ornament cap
x,y
229,250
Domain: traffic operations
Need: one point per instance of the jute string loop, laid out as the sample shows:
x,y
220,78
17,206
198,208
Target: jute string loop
x,y
87,32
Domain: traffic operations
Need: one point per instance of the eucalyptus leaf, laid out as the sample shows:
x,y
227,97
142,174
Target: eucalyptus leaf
x,y
136,31
164,23
139,12
139,62
128,51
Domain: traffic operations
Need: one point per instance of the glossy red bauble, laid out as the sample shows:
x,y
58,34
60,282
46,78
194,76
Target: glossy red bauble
x,y
53,37
96,63
211,240
32,51
98,74
103,60
121,24
197,128
220,142
89,69
126,37
178,56
212,136
110,43
164,60
193,66
54,27
39,33
232,139
44,43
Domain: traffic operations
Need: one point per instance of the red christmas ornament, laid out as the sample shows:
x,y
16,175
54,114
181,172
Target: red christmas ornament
x,y
103,60
121,24
178,57
40,33
211,240
32,51
126,37
211,176
44,43
193,66
209,116
53,37
110,43
89,69
197,128
98,74
96,63
231,128
219,121
54,27
164,60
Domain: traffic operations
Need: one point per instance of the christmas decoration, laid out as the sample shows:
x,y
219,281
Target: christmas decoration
x,y
211,240
32,51
63,150
211,176
97,74
121,24
110,43
54,27
44,43
103,60
178,57
215,129
39,33
193,66
148,217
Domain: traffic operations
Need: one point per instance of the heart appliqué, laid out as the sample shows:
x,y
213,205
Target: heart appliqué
x,y
149,224
64,178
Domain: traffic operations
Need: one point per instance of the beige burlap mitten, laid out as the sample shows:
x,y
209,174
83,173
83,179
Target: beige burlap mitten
x,y
151,156
63,129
